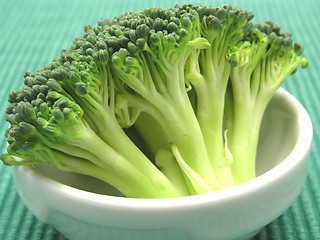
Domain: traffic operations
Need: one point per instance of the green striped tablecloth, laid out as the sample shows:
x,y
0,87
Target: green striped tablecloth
x,y
33,32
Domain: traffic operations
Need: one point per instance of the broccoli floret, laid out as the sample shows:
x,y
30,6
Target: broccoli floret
x,y
260,63
198,76
208,72
153,68
49,127
81,77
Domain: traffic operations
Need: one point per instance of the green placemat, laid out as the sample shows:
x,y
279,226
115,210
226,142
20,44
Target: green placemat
x,y
33,32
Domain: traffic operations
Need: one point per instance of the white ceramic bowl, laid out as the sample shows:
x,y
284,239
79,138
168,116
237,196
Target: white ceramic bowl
x,y
84,208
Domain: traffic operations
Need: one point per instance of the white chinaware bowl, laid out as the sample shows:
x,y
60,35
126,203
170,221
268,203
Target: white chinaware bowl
x,y
84,208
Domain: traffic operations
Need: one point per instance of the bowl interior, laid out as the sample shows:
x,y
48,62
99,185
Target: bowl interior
x,y
278,137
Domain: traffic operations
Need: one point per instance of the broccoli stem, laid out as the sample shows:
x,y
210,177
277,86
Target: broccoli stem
x,y
243,120
132,180
244,141
200,185
138,181
167,163
210,113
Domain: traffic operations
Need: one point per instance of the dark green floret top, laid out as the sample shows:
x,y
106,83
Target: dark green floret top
x,y
158,103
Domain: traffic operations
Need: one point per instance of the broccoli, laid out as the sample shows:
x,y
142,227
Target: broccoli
x,y
222,27
158,103
260,63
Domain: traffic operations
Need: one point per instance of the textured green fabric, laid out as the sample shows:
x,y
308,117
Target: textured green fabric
x,y
33,32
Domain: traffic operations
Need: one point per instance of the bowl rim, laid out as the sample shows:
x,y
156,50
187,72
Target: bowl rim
x,y
299,152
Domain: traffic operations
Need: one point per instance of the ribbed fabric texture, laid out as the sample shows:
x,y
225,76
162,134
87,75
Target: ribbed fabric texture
x,y
33,32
